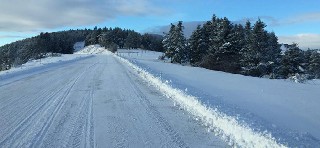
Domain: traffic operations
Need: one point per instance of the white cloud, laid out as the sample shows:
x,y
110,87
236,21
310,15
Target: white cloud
x,y
11,36
34,15
304,41
307,17
295,19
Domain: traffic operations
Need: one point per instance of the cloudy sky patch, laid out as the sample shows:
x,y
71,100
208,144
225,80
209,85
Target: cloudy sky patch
x,y
304,41
287,18
22,15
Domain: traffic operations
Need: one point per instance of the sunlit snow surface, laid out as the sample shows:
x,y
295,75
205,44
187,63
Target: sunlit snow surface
x,y
247,111
244,111
95,101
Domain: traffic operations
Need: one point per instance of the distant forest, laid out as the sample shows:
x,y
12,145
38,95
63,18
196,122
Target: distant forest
x,y
37,47
247,49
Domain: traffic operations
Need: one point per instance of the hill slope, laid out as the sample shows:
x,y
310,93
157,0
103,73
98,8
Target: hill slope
x,y
288,111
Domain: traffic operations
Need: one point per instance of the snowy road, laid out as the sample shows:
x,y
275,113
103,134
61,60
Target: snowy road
x,y
94,102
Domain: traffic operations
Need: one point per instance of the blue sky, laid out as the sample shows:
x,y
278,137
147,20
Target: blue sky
x,y
291,20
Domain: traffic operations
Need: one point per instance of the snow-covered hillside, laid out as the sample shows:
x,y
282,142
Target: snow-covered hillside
x,y
96,101
288,111
78,46
130,98
93,49
33,66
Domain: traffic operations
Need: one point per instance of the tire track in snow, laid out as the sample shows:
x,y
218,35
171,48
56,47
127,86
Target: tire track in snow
x,y
81,130
89,122
7,102
82,127
24,103
228,128
20,136
76,127
15,115
22,125
38,70
48,123
152,111
26,122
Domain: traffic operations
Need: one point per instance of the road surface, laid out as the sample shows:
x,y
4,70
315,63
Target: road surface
x,y
94,102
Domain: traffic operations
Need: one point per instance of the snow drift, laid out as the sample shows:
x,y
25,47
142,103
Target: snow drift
x,y
227,127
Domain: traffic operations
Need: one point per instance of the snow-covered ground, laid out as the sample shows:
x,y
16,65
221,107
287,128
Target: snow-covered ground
x,y
33,67
45,61
41,65
132,99
93,49
78,46
96,101
281,109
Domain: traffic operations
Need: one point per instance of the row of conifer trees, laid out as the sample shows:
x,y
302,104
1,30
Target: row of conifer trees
x,y
245,49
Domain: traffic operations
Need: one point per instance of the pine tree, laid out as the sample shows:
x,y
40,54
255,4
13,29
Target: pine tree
x,y
204,44
194,44
314,65
245,51
291,62
213,29
179,43
272,54
238,43
261,50
175,44
227,53
168,43
152,42
133,40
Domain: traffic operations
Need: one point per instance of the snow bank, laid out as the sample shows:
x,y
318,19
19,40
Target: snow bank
x,y
227,127
41,62
78,46
82,53
92,49
139,54
289,111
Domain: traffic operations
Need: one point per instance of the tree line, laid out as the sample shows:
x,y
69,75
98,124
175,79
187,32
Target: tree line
x,y
240,49
113,38
37,47
218,44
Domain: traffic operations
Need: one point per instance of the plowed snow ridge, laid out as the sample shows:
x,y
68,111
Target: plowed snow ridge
x,y
228,128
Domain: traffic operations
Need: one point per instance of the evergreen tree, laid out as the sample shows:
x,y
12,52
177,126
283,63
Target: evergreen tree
x,y
146,41
273,55
175,44
291,62
152,42
245,51
194,46
227,54
261,50
168,43
133,40
179,42
204,44
314,65
213,29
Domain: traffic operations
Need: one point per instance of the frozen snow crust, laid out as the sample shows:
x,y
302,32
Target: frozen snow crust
x,y
238,125
287,110
227,127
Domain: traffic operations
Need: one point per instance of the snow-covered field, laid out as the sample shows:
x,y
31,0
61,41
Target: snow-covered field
x,y
131,99
96,101
255,109
45,61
